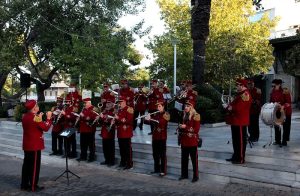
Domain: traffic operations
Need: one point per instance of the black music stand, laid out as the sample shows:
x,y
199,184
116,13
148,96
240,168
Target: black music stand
x,y
66,134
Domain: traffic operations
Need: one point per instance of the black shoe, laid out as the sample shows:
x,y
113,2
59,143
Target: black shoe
x,y
162,174
72,156
25,188
90,160
182,178
284,143
81,159
38,188
150,133
229,160
121,165
276,143
128,167
195,179
141,128
59,154
110,164
103,163
53,153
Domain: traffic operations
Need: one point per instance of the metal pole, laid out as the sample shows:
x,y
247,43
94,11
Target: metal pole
x,y
174,85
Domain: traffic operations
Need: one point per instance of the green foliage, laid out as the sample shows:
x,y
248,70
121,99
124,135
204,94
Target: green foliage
x,y
19,111
46,106
292,63
236,47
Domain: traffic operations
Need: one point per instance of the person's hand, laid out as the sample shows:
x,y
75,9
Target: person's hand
x,y
116,117
48,114
182,126
63,112
229,108
101,115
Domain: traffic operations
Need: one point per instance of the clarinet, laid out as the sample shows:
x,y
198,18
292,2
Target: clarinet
x,y
180,130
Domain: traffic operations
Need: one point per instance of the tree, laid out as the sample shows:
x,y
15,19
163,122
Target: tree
x,y
236,46
74,37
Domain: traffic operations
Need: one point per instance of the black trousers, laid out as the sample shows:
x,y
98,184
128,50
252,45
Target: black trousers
x,y
31,169
57,142
108,146
87,141
286,131
159,155
253,128
72,146
239,142
125,152
136,114
185,153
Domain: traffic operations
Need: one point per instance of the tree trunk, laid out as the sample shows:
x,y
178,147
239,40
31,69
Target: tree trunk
x,y
199,31
40,88
3,77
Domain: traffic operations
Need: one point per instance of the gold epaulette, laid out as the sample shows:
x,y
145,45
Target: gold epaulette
x,y
37,119
286,90
258,91
130,110
166,116
195,92
245,96
197,117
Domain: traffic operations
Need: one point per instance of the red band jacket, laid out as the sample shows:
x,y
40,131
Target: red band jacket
x,y
160,129
105,123
87,116
59,123
141,102
153,98
283,97
125,122
70,117
190,134
128,93
33,128
240,113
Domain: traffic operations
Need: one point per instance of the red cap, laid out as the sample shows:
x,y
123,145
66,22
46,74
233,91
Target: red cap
x,y
242,82
121,98
160,102
86,99
30,104
190,102
124,81
153,81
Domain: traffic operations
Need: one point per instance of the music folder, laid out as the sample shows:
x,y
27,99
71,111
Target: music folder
x,y
68,132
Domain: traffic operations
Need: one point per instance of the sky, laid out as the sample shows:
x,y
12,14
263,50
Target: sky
x,y
151,16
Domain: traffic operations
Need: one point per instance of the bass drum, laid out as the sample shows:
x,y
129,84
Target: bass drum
x,y
272,114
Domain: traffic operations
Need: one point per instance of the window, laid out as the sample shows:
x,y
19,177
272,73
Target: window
x,y
50,93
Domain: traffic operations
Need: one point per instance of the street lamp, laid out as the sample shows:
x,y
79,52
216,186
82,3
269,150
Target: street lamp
x,y
174,42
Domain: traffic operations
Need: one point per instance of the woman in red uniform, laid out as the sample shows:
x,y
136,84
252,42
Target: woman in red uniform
x,y
189,138
33,143
159,138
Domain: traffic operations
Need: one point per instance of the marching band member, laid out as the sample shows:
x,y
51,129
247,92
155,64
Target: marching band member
x,y
140,106
87,132
238,118
108,135
57,128
127,93
253,127
283,97
33,143
154,95
165,91
70,115
190,93
124,123
75,96
189,138
107,95
159,138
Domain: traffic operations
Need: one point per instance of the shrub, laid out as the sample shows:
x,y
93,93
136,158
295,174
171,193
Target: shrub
x,y
19,111
3,112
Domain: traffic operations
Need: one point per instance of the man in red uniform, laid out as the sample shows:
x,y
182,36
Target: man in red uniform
x,y
238,118
154,95
57,119
87,131
140,106
33,143
127,93
165,91
159,138
70,116
283,97
191,95
107,95
74,96
124,123
108,135
253,127
189,138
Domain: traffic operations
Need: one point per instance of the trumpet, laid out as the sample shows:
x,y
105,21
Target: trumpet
x,y
143,116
